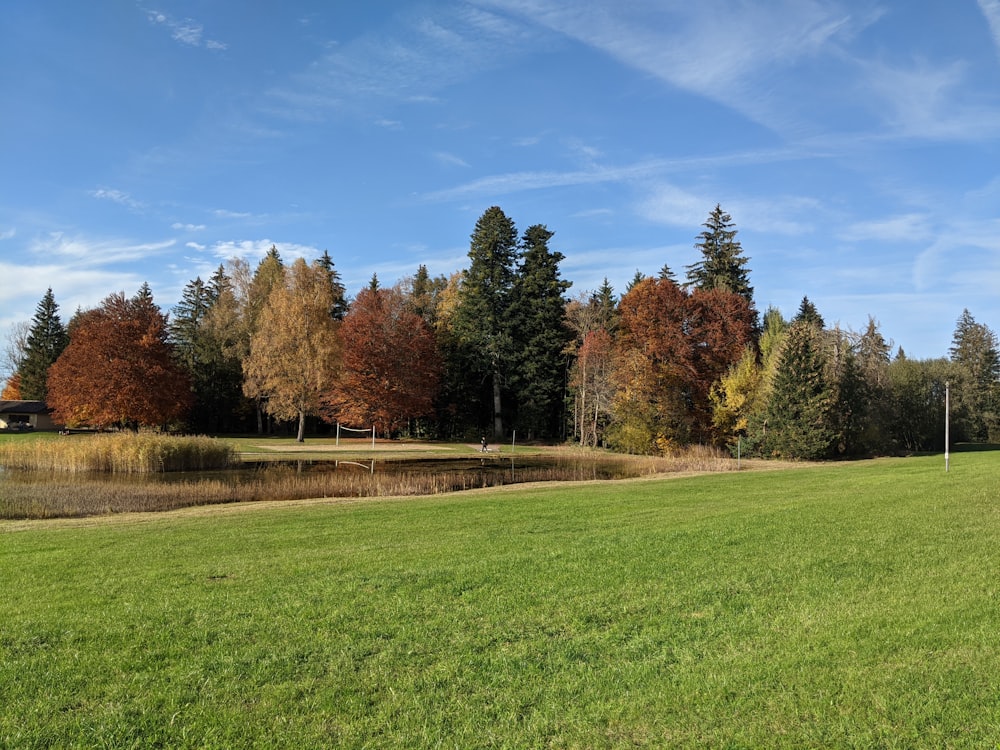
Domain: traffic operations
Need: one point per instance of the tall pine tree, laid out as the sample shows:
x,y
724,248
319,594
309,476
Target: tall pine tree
x,y
722,265
974,349
46,340
797,419
481,321
538,318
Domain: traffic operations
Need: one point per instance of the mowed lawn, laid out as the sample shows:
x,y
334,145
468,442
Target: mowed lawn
x,y
851,605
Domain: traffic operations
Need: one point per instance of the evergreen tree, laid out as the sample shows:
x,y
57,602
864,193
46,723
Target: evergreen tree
x,y
809,314
185,322
638,278
541,335
723,265
796,422
340,304
974,350
603,300
47,339
480,321
668,274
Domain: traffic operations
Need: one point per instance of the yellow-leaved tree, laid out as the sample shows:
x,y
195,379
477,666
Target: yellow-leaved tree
x,y
295,352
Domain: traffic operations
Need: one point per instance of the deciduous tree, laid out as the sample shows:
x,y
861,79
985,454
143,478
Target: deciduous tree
x,y
295,351
119,369
391,367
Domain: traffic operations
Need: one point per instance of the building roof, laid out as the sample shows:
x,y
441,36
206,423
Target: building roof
x,y
23,407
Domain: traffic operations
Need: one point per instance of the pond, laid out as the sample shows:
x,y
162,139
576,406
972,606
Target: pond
x,y
47,494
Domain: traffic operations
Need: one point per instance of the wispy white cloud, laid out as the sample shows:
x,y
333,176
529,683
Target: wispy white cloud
x,y
223,213
84,252
904,228
119,197
6,234
257,249
450,159
715,49
991,9
187,227
186,31
417,54
593,174
925,100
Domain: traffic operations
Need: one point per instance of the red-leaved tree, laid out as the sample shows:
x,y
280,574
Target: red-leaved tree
x,y
118,369
673,346
391,365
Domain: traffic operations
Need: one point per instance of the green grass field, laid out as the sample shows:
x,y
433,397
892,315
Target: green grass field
x,y
850,605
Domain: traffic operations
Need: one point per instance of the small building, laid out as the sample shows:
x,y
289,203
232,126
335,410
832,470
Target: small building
x,y
25,415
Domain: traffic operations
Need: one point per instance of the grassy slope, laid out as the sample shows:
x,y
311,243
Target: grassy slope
x,y
850,605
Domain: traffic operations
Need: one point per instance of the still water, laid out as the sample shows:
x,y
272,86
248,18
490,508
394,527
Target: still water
x,y
51,494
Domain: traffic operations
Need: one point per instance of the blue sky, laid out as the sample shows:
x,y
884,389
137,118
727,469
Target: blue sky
x,y
854,143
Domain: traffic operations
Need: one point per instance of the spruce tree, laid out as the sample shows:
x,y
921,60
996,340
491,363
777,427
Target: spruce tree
x,y
974,349
722,265
480,322
796,422
47,338
809,314
538,322
340,304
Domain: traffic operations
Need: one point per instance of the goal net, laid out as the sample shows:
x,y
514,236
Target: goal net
x,y
352,432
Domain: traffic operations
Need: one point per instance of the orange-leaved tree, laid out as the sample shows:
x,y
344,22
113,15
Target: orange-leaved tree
x,y
295,350
685,342
12,389
119,369
392,368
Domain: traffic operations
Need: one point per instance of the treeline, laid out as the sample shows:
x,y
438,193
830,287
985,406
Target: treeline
x,y
499,348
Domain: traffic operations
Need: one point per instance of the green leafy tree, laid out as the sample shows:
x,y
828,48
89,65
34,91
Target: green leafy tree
x,y
722,265
916,420
541,335
480,321
47,339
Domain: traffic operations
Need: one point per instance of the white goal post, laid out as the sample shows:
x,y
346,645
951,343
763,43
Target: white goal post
x,y
365,431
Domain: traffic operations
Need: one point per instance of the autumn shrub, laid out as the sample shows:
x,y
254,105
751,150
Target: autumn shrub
x,y
119,453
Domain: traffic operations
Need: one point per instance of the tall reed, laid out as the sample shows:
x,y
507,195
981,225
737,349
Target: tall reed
x,y
119,453
31,495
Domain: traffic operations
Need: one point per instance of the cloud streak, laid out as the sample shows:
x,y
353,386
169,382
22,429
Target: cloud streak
x,y
991,9
186,31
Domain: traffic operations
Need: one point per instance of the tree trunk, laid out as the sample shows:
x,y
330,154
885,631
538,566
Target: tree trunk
x,y
301,437
497,414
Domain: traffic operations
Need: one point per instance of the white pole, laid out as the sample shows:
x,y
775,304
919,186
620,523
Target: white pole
x,y
373,439
338,434
947,419
513,438
739,445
